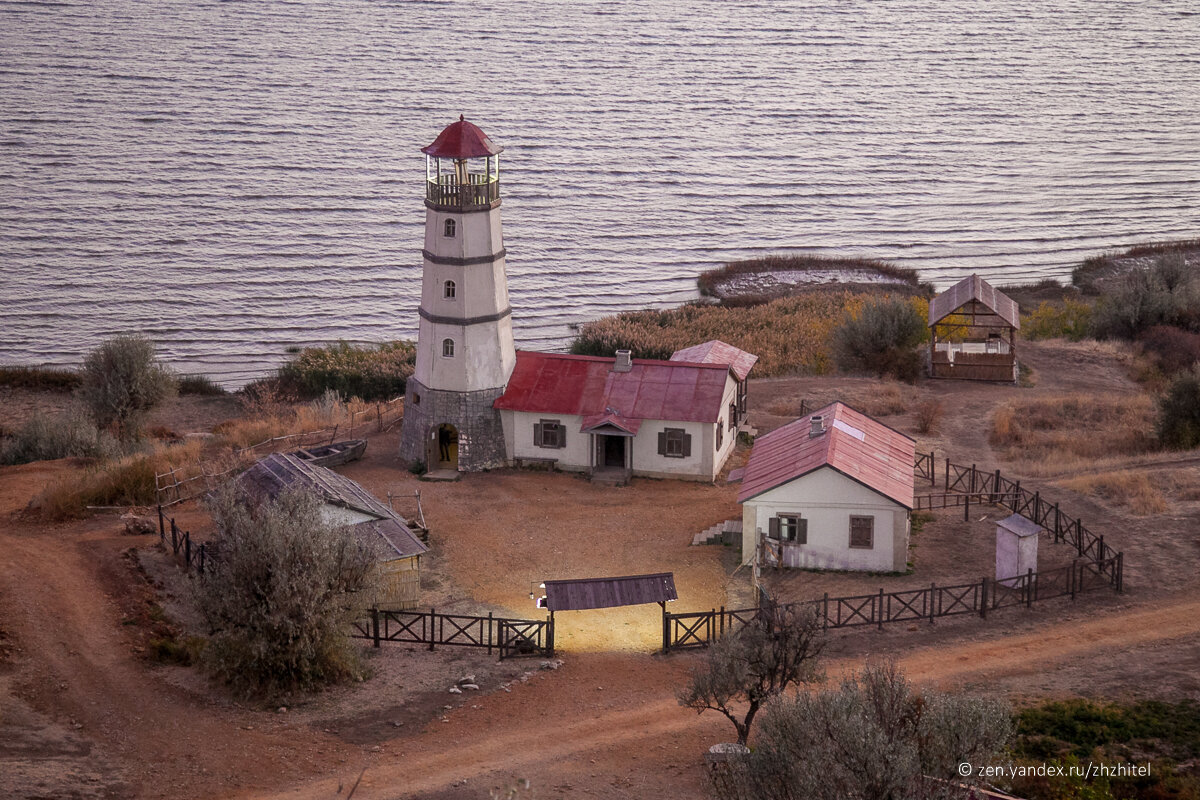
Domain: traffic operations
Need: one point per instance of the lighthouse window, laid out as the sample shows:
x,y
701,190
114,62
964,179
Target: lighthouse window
x,y
448,290
450,228
447,348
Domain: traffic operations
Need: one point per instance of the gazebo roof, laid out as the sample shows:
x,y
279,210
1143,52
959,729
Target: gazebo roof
x,y
462,139
974,288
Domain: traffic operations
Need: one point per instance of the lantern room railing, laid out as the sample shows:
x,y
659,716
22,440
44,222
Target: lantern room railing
x,y
480,191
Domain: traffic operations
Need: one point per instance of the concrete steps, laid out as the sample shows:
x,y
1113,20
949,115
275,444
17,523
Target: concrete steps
x,y
727,531
440,475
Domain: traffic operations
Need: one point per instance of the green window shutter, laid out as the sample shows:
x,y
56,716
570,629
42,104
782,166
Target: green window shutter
x,y
537,434
773,528
801,530
562,435
687,445
662,443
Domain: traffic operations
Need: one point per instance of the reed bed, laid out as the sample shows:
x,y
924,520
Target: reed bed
x,y
790,335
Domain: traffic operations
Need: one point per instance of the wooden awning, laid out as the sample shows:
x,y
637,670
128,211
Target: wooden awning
x,y
630,590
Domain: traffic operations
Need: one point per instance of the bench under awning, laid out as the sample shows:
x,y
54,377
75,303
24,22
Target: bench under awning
x,y
630,590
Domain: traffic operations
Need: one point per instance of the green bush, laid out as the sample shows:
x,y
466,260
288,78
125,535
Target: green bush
x,y
70,434
1165,293
1071,319
1179,412
122,379
882,339
378,372
42,379
200,385
279,601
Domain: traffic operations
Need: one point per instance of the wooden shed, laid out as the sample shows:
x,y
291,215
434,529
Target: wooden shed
x,y
384,533
973,331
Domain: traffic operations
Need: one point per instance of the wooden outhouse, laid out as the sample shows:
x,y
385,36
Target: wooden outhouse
x,y
384,533
833,490
973,331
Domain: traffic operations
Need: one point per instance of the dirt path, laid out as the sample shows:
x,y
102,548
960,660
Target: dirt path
x,y
572,737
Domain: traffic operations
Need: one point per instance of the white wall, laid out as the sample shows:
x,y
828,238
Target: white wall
x,y
477,233
518,438
827,499
484,355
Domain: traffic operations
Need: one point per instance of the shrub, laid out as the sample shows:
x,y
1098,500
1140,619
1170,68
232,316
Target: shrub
x,y
377,372
1179,412
279,600
929,414
42,379
70,434
201,385
122,379
882,339
1172,349
1166,293
1070,319
875,736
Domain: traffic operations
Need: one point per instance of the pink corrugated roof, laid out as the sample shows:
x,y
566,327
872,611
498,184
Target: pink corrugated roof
x,y
881,460
717,352
553,383
971,288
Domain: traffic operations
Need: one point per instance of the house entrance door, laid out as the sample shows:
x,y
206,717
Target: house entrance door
x,y
610,451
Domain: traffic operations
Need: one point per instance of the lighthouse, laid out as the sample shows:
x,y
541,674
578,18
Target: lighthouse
x,y
465,350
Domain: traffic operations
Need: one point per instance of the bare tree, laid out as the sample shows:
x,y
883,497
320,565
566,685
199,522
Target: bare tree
x,y
743,671
279,598
873,738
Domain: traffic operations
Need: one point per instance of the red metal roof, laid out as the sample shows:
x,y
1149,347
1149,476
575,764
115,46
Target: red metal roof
x,y
717,352
630,590
552,383
462,139
971,288
881,460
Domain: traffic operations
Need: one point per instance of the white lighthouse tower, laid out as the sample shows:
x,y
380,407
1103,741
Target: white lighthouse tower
x,y
465,350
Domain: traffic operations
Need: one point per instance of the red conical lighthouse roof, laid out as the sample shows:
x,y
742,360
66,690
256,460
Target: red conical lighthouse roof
x,y
461,140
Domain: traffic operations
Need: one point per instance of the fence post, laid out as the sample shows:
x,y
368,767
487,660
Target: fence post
x,y
932,604
722,622
1037,507
947,484
550,635
881,614
666,630
825,614
174,538
1016,500
489,633
375,625
1029,588
1120,573
432,627
932,471
995,486
162,531
1100,554
966,508
1079,537
187,550
974,472
1057,523
983,598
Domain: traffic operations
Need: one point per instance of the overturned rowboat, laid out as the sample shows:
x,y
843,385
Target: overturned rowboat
x,y
332,455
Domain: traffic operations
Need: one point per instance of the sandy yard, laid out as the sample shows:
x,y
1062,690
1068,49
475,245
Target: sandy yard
x,y
84,713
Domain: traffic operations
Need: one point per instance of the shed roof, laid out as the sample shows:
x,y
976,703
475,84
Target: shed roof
x,y
462,139
388,536
974,288
717,352
630,590
1020,525
587,386
861,448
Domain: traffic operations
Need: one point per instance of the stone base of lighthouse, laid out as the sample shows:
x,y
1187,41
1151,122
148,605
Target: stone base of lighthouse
x,y
452,429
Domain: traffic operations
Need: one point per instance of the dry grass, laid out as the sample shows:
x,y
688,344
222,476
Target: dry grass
x,y
1052,434
790,335
1132,489
128,481
270,420
879,399
929,414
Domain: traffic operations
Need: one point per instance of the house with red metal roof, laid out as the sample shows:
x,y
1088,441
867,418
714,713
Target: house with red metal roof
x,y
833,490
624,416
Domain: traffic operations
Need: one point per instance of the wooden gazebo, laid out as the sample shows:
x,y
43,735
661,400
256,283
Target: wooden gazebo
x,y
973,330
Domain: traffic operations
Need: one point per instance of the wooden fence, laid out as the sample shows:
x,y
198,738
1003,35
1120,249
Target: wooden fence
x,y
189,555
508,637
699,629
